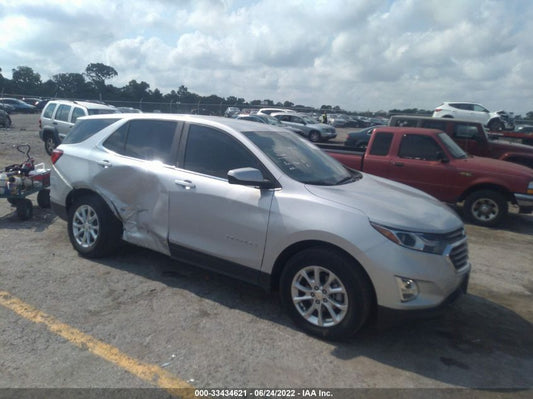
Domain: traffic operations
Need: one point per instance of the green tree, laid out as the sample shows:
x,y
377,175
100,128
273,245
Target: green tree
x,y
72,85
25,80
288,104
136,91
529,115
98,73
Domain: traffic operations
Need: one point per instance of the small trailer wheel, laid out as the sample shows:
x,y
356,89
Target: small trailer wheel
x,y
24,209
43,198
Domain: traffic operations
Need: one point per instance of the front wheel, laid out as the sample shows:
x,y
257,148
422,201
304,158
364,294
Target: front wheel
x,y
486,207
93,229
325,293
314,136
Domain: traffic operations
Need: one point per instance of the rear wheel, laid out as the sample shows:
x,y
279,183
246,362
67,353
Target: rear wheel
x,y
93,229
49,143
325,293
486,207
495,125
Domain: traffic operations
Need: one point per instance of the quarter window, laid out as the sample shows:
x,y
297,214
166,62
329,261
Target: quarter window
x,y
214,153
49,110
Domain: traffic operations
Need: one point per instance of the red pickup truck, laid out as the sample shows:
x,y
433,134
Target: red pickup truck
x,y
471,137
431,161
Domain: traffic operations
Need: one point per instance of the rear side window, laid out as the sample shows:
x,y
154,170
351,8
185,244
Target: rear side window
x,y
83,129
381,144
462,131
49,110
62,112
431,124
100,111
149,140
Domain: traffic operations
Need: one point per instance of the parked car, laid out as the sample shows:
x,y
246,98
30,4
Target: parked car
x,y
431,161
270,111
359,140
313,130
18,105
38,102
232,112
354,121
259,203
471,137
337,120
7,108
269,120
5,120
475,112
58,117
129,110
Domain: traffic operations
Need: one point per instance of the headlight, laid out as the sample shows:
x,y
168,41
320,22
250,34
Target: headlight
x,y
430,243
530,188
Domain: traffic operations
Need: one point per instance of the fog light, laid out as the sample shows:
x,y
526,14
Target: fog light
x,y
408,288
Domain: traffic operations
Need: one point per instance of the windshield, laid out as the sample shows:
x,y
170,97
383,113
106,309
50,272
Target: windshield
x,y
301,160
453,148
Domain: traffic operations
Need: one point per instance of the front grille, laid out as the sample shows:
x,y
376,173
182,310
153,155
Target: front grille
x,y
459,255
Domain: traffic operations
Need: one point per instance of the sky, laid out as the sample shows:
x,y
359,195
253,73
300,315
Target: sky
x,y
362,55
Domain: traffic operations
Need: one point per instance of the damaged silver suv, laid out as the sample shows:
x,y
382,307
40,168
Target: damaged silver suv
x,y
259,203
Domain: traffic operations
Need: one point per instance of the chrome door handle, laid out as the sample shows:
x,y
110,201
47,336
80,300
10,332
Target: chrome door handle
x,y
187,184
105,164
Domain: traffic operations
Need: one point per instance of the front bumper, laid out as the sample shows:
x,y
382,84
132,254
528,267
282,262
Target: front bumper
x,y
524,200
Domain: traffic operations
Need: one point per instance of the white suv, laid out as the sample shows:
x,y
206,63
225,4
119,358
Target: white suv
x,y
59,116
475,112
259,203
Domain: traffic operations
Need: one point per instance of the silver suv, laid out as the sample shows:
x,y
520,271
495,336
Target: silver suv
x,y
259,203
313,130
58,117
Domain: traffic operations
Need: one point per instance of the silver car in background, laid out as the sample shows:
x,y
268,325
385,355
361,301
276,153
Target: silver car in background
x,y
260,203
313,130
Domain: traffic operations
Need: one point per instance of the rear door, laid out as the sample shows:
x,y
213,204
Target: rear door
x,y
215,224
62,121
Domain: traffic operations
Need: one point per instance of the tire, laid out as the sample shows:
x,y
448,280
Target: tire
x,y
325,314
43,198
49,143
24,209
13,201
314,136
486,208
496,125
93,229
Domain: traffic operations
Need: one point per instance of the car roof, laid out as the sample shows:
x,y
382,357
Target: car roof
x,y
86,104
239,125
431,118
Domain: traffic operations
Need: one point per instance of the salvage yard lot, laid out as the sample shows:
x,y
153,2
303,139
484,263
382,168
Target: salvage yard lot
x,y
206,330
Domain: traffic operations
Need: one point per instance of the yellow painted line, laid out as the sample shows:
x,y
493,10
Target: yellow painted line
x,y
145,371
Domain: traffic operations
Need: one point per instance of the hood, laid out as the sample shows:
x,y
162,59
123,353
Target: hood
x,y
392,204
490,166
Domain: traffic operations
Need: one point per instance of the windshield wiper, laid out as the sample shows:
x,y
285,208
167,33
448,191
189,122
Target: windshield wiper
x,y
347,179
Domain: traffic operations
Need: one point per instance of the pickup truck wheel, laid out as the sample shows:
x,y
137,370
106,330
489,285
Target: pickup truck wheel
x,y
314,136
495,125
486,207
93,229
49,144
325,293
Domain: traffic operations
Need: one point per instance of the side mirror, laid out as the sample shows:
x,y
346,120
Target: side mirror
x,y
442,157
249,177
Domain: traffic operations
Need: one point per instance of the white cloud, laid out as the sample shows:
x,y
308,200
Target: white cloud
x,y
361,55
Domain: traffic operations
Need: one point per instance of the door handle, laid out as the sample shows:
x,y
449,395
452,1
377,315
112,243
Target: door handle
x,y
187,184
105,164
398,163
